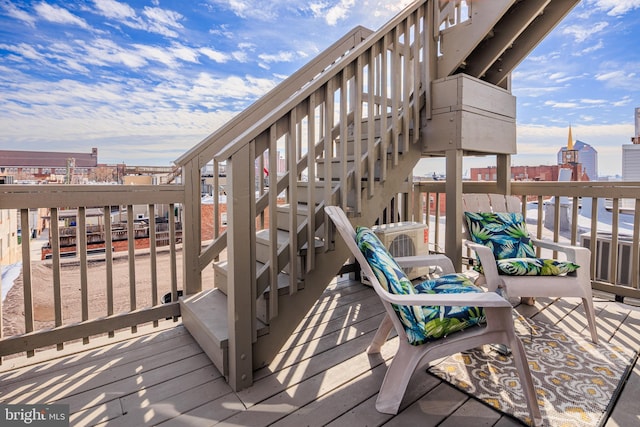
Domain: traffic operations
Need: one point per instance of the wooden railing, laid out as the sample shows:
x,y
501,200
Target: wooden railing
x,y
586,209
330,130
345,118
72,322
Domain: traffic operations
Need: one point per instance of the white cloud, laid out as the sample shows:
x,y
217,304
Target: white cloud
x,y
115,10
277,57
153,19
158,54
184,53
556,104
162,21
162,119
24,50
332,13
240,56
59,15
593,48
19,14
594,101
254,9
621,76
581,33
105,52
617,7
215,55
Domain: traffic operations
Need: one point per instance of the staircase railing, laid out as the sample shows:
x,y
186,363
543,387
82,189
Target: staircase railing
x,y
202,154
334,68
340,130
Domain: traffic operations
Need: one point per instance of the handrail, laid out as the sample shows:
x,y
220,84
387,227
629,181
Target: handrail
x,y
17,196
208,147
261,125
74,319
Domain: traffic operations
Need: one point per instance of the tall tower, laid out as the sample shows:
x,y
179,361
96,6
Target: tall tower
x,y
570,155
570,159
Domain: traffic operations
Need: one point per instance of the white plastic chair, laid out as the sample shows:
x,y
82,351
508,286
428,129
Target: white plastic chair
x,y
578,285
499,327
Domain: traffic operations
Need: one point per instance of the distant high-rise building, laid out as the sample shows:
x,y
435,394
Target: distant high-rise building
x,y
580,152
631,154
637,135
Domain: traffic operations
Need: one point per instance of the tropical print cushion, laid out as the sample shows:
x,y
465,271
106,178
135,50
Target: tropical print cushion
x,y
421,324
444,320
535,267
507,236
504,232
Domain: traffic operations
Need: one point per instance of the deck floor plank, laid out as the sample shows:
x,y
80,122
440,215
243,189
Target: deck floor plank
x,y
323,375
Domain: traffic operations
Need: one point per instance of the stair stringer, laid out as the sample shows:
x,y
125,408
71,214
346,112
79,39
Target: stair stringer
x,y
458,41
293,308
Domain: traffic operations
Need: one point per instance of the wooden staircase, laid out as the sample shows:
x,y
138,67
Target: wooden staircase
x,y
205,314
354,122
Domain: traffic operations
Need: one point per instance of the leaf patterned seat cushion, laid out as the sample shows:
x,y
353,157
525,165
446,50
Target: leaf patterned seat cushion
x,y
426,323
507,236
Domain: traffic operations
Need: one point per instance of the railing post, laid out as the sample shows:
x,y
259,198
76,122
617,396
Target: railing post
x,y
241,268
191,234
503,169
453,186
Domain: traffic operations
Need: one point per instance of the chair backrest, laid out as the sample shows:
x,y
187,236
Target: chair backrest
x,y
401,316
490,202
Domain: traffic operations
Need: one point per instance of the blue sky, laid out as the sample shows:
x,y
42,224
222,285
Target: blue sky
x,y
144,81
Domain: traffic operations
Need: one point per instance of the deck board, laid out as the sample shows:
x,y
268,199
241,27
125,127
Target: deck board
x,y
323,375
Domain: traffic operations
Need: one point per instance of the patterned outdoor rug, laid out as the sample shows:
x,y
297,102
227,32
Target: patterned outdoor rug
x,y
577,382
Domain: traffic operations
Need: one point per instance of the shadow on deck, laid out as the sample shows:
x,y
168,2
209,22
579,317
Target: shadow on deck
x,y
322,377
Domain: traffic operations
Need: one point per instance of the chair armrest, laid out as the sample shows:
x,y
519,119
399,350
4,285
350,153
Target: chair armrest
x,y
440,261
577,254
484,299
488,261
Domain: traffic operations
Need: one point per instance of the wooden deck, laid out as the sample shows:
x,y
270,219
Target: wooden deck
x,y
323,377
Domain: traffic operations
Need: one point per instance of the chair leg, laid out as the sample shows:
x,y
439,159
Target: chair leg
x,y
381,335
397,378
522,365
589,311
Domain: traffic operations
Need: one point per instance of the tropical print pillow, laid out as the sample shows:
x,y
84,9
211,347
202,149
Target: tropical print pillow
x,y
393,280
507,236
504,232
444,320
535,267
421,324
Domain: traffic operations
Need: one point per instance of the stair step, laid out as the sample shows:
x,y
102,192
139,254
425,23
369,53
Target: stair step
x,y
262,304
220,275
283,215
205,317
336,167
221,272
302,189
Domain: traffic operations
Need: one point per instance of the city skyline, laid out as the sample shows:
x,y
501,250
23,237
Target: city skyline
x,y
145,81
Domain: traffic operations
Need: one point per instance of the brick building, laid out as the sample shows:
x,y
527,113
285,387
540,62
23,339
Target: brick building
x,y
48,166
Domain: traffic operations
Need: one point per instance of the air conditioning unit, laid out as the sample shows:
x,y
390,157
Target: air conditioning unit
x,y
405,239
603,256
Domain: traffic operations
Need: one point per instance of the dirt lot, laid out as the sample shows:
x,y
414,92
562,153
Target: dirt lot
x,y
42,284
